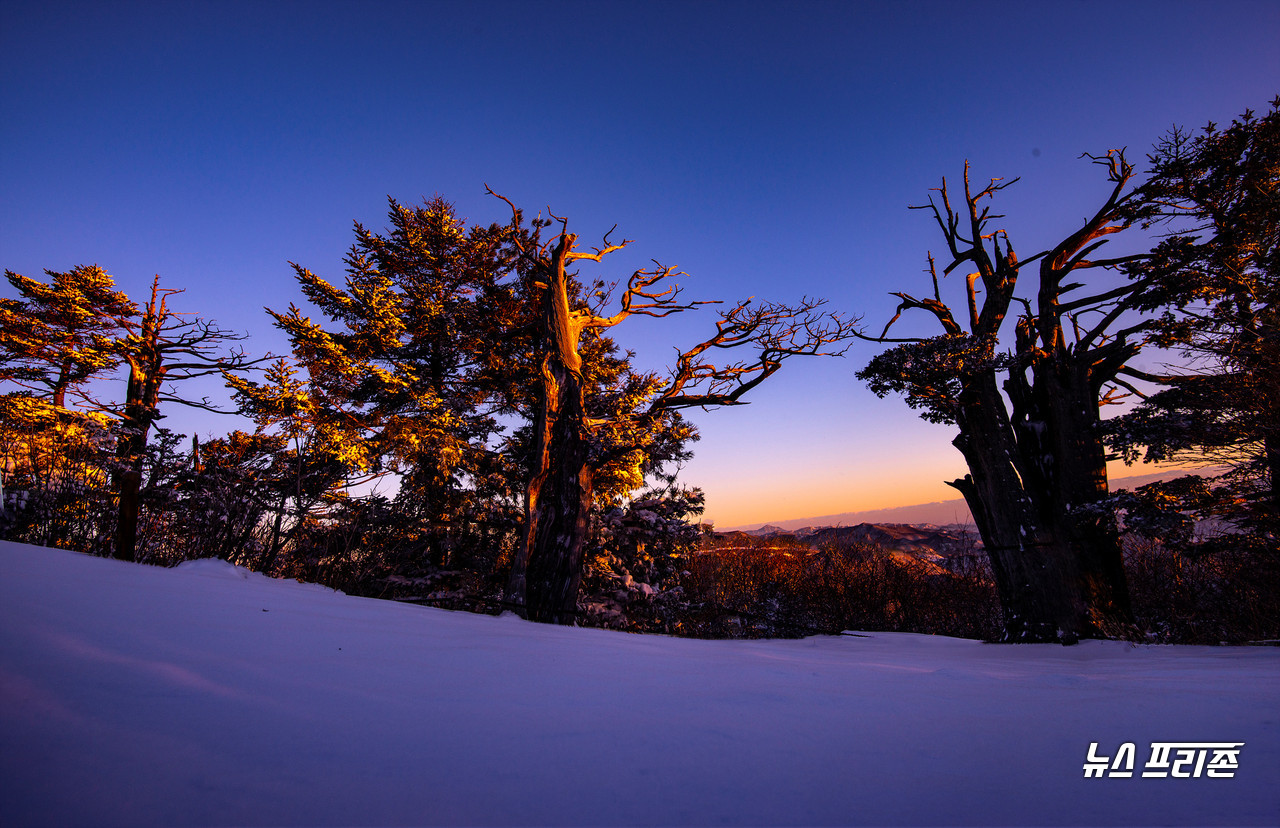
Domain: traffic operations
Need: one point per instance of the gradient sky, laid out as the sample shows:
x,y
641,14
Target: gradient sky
x,y
766,149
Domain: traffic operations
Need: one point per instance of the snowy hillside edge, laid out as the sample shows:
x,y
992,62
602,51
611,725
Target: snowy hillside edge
x,y
206,694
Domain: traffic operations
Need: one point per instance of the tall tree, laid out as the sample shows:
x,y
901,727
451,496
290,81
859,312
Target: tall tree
x,y
162,349
60,335
572,440
1216,280
56,338
399,385
63,334
1037,465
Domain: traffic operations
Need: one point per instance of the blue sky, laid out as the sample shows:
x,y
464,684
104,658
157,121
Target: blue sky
x,y
766,149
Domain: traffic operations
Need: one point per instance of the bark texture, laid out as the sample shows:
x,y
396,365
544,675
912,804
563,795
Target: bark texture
x,y
547,569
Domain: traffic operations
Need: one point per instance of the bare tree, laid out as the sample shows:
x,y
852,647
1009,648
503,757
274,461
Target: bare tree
x,y
1037,466
567,451
162,347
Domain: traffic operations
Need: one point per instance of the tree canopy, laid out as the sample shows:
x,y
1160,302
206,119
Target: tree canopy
x,y
1214,281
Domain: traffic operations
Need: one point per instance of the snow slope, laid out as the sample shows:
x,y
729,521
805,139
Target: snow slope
x,y
208,695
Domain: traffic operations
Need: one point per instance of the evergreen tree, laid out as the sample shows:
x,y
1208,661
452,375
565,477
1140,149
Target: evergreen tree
x,y
400,385
443,336
309,451
59,336
56,339
1216,280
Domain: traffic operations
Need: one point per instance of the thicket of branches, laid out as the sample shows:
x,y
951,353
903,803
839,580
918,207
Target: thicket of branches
x,y
790,587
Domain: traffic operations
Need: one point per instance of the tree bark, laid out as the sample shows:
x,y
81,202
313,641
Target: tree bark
x,y
1033,480
1271,447
557,505
137,424
547,569
141,410
1034,568
1075,488
130,483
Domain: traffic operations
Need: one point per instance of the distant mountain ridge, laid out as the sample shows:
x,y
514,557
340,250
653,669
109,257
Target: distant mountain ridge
x,y
943,513
940,513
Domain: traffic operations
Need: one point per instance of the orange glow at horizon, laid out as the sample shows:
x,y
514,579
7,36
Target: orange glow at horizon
x,y
774,498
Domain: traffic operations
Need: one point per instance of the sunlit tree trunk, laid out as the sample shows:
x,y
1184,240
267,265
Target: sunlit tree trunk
x,y
557,502
547,569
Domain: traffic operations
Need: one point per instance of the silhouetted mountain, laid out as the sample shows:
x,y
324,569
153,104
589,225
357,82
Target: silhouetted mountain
x,y
766,530
953,513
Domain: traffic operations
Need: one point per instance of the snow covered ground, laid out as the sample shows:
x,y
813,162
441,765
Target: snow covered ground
x,y
208,695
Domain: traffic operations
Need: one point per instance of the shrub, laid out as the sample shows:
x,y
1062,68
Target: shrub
x,y
784,587
1205,593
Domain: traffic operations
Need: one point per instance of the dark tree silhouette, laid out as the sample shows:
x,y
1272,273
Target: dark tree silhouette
x,y
162,348
1037,465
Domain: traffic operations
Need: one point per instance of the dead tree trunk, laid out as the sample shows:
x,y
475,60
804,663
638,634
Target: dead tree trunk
x,y
547,568
557,501
141,410
1037,484
161,348
1030,563
1073,490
